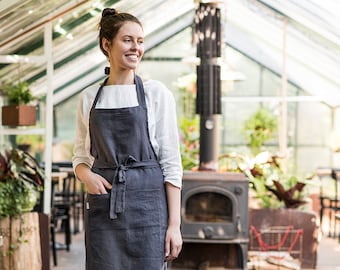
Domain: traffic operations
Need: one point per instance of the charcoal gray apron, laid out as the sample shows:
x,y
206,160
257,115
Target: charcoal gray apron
x,y
125,229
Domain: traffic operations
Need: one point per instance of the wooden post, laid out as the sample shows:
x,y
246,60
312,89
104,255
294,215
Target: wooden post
x,y
21,243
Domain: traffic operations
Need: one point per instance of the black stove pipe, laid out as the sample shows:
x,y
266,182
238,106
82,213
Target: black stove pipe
x,y
208,100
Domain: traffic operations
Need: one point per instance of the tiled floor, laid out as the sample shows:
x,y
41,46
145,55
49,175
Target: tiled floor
x,y
73,259
328,255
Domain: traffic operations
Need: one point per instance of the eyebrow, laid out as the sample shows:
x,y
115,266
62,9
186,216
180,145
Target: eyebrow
x,y
130,36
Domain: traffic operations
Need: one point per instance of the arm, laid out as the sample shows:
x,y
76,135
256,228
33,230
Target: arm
x,y
170,161
173,240
95,184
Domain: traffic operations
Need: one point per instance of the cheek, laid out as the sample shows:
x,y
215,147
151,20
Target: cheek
x,y
117,51
141,51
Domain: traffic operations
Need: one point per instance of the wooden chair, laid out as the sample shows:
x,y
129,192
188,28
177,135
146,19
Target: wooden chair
x,y
329,202
60,215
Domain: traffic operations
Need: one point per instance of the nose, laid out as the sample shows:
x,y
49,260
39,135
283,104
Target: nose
x,y
135,45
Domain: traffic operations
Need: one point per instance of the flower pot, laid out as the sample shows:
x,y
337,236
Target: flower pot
x,y
21,248
264,219
18,115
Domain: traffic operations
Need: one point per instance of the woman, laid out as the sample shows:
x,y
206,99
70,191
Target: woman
x,y
127,154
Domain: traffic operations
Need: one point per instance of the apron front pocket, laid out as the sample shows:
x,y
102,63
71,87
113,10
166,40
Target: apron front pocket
x,y
145,242
144,208
144,214
98,213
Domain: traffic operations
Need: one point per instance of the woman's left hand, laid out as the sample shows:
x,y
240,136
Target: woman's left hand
x,y
173,243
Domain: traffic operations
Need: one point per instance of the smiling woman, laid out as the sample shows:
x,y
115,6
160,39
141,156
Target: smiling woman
x,y
127,155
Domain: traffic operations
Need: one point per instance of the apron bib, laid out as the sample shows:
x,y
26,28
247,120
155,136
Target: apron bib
x,y
125,229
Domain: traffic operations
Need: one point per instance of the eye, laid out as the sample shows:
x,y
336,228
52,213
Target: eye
x,y
140,41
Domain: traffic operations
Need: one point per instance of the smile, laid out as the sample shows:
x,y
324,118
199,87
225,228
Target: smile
x,y
132,57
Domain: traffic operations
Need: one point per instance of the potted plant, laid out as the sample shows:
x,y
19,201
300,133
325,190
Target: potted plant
x,y
18,111
21,183
276,197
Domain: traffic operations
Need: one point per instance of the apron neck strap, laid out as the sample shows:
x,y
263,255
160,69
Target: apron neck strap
x,y
139,88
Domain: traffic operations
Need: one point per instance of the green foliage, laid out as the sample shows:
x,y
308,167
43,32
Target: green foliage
x,y
189,142
259,128
19,93
16,197
189,124
272,187
21,179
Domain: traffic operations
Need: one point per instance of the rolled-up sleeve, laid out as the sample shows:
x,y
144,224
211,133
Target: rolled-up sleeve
x,y
81,141
166,135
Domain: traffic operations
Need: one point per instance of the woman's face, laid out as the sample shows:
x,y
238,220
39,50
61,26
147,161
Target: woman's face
x,y
127,48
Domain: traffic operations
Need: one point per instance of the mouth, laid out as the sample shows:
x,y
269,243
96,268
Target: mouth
x,y
132,57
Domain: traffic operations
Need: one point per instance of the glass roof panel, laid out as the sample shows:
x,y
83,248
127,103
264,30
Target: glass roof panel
x,y
311,63
253,27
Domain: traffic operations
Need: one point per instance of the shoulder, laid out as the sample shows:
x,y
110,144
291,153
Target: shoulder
x,y
90,91
156,89
87,96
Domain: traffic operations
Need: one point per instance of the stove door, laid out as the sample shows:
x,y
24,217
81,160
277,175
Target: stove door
x,y
209,213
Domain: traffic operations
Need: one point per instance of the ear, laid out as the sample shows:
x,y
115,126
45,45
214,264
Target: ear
x,y
106,44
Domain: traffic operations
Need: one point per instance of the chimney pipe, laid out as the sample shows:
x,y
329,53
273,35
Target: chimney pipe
x,y
208,100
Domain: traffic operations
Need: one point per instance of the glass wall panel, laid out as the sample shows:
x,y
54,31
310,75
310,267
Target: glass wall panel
x,y
65,115
271,83
309,124
309,158
292,122
233,117
314,124
250,86
166,72
64,129
179,45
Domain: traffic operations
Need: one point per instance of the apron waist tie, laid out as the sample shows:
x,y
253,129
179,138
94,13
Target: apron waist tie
x,y
117,198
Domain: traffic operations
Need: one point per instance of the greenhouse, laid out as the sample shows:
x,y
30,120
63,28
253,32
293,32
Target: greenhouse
x,y
279,57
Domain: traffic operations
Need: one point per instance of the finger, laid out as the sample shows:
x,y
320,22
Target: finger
x,y
175,251
170,258
103,191
106,184
167,247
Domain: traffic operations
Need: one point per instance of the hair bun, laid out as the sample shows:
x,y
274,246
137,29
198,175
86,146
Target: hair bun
x,y
108,12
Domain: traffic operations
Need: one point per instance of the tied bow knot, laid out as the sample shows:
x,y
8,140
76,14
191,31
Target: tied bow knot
x,y
118,194
122,168
121,174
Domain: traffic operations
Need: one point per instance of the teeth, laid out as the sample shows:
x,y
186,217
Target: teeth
x,y
133,57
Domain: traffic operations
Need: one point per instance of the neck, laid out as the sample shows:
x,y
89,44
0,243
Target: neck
x,y
121,78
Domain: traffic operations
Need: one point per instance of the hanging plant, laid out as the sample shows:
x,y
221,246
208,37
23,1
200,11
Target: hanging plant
x,y
19,93
259,128
18,111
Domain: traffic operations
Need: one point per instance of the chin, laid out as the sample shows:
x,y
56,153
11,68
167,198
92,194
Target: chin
x,y
134,66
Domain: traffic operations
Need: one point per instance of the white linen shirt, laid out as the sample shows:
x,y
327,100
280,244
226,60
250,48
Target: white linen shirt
x,y
162,123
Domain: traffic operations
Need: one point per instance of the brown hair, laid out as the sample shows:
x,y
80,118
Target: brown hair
x,y
111,22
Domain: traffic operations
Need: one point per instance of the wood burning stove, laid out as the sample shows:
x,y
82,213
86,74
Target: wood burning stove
x,y
215,225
